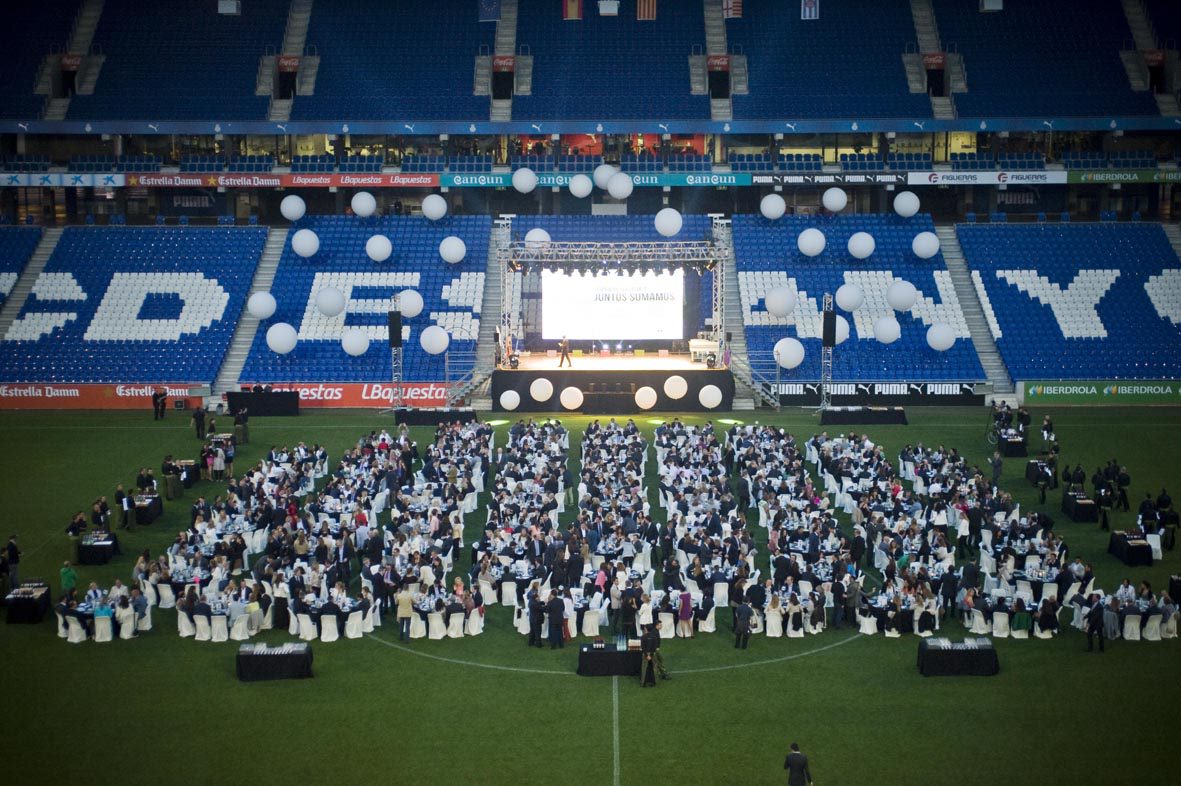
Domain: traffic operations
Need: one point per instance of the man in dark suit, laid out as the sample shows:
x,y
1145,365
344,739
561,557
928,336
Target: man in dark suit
x,y
199,421
557,611
536,616
159,403
1095,623
742,617
202,609
564,348
796,765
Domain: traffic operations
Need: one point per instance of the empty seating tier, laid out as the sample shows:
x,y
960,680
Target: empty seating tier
x,y
16,246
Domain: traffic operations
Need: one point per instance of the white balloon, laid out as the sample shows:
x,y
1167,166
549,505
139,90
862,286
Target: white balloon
x,y
281,338
541,389
669,222
452,249
940,337
330,301
379,248
536,238
780,302
901,295
410,303
524,180
646,397
789,352
772,207
434,340
293,207
862,245
581,186
675,387
811,242
834,200
906,204
571,398
510,400
620,186
710,396
434,207
364,204
842,329
261,305
355,342
887,330
849,297
603,174
305,243
925,245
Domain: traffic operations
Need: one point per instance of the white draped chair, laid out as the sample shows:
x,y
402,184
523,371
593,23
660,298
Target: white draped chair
x,y
61,626
102,629
353,624
204,631
77,633
1132,627
475,624
455,626
508,593
774,624
240,630
436,629
668,625
590,623
1152,631
488,593
184,625
868,624
367,620
417,627
979,623
1000,626
167,599
307,628
145,622
220,628
329,630
709,624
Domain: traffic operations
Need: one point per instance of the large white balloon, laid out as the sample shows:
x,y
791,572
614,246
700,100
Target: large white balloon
x,y
675,387
261,305
434,207
434,340
646,397
710,396
510,400
620,186
355,341
603,174
887,330
780,302
834,200
364,204
330,301
581,186
849,297
541,389
925,245
524,180
842,329
305,243
669,222
293,207
772,207
452,249
379,248
410,303
281,338
906,204
940,337
901,295
536,238
862,245
571,398
789,352
811,242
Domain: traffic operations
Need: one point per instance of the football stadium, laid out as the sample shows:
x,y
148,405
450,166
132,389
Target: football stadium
x,y
721,391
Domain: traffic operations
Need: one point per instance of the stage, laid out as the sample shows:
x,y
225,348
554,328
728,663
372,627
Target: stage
x,y
540,361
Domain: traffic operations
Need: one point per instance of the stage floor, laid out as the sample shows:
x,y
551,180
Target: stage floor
x,y
596,363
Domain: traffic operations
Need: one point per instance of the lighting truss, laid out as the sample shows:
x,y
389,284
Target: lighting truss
x,y
594,256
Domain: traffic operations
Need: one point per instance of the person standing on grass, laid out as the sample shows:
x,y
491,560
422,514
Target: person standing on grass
x,y
997,464
69,578
405,601
159,403
742,617
13,553
199,421
796,765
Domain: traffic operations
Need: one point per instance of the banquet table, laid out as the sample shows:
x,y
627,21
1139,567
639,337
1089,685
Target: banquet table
x,y
939,657
148,509
608,662
1079,507
27,604
287,662
97,548
1012,444
1131,551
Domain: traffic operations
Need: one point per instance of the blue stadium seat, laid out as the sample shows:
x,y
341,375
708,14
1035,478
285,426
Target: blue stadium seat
x,y
29,33
690,163
16,246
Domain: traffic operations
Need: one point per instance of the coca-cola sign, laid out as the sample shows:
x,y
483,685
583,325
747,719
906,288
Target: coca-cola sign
x,y
934,61
288,64
718,62
71,62
503,63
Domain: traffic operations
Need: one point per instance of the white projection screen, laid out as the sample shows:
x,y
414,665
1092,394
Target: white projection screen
x,y
613,306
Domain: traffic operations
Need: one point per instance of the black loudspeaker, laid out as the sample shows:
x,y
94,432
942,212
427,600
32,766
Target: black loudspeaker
x,y
829,334
395,318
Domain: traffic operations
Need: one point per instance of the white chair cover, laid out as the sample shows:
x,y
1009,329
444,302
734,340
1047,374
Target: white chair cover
x,y
455,626
435,627
353,625
77,633
307,628
240,631
167,599
184,626
220,625
102,629
204,631
329,631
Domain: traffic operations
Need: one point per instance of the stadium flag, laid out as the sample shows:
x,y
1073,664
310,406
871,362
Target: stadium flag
x,y
489,10
809,9
731,9
572,10
646,10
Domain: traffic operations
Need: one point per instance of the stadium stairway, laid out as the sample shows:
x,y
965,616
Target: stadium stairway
x,y
747,390
715,44
926,30
295,37
479,389
24,285
85,23
243,338
506,44
966,291
1173,233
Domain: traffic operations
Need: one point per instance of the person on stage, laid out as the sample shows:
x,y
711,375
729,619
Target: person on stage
x,y
564,347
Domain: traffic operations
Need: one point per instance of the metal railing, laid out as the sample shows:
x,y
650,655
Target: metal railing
x,y
757,379
459,372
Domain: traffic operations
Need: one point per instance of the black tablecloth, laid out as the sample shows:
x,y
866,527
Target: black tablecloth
x,y
1133,554
28,611
858,416
608,662
939,661
1013,447
273,403
1079,507
97,553
146,514
290,662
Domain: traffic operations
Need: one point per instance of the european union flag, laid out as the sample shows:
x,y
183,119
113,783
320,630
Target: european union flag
x,y
489,10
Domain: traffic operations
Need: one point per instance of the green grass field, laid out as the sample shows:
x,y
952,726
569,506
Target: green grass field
x,y
488,710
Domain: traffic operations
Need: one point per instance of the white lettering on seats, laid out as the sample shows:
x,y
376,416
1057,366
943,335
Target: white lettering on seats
x,y
1074,307
317,327
1164,290
874,283
117,317
48,287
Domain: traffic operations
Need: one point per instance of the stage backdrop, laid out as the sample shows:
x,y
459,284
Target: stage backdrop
x,y
612,392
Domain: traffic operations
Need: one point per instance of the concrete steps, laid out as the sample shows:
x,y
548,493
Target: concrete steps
x,y
84,26
1143,33
739,75
305,77
698,77
279,110
295,36
942,107
24,285
491,306
1135,68
523,75
264,80
1167,104
482,76
715,28
243,338
506,29
925,28
916,75
56,108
